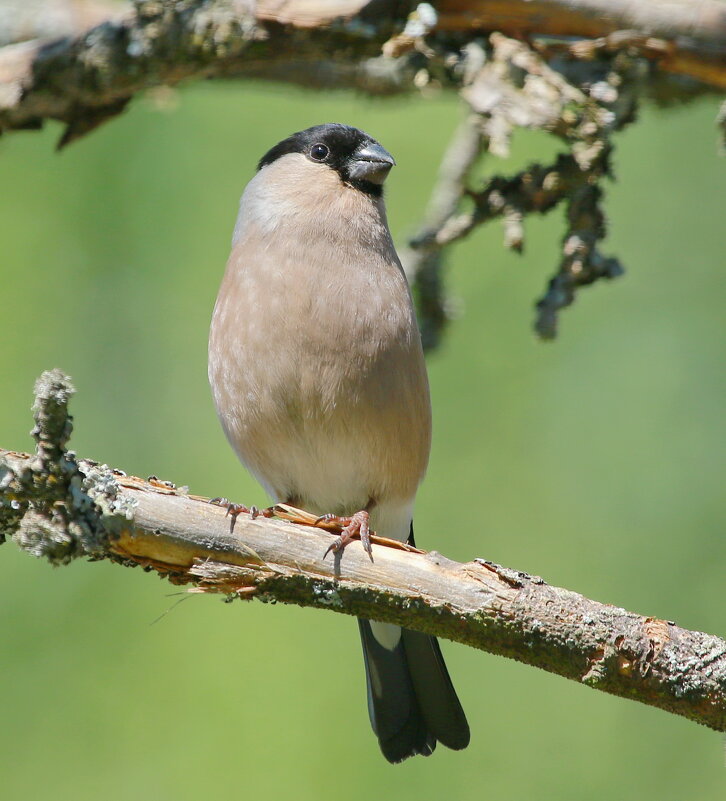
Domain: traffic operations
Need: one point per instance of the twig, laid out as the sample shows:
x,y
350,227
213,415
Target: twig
x,y
509,87
424,265
58,507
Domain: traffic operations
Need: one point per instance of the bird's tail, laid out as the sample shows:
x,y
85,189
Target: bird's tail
x,y
411,701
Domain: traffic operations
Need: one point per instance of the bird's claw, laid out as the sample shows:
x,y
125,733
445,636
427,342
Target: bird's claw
x,y
234,510
358,525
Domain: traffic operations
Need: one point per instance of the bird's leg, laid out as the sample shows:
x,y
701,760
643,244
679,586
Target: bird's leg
x,y
234,510
268,511
356,525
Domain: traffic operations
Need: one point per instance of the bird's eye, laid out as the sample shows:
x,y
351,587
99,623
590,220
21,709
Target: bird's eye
x,y
319,152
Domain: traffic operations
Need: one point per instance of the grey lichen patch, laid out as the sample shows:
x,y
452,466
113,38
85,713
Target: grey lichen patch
x,y
597,667
162,30
53,424
326,595
53,505
107,510
46,537
703,670
11,509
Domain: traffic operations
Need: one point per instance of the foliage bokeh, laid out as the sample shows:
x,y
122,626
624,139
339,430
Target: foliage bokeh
x,y
594,462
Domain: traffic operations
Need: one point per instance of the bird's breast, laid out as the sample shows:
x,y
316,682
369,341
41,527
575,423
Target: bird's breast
x,y
318,375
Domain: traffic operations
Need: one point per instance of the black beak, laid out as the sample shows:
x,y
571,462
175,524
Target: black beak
x,y
371,162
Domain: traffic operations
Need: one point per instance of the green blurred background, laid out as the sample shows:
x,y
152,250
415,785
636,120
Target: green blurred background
x,y
595,462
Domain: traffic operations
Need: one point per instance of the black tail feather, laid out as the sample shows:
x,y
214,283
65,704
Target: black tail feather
x,y
436,695
412,703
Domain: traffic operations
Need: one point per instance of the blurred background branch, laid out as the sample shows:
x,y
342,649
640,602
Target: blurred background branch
x,y
58,507
575,69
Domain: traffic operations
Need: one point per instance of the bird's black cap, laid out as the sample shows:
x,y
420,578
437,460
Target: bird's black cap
x,y
359,159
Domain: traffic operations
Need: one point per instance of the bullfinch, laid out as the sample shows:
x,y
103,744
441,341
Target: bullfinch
x,y
318,376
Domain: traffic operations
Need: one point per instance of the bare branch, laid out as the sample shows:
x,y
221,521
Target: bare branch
x,y
703,21
58,507
424,265
21,20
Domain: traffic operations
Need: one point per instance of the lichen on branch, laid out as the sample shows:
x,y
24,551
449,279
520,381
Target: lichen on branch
x,y
508,85
54,506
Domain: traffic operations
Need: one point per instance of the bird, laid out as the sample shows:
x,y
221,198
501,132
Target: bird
x,y
318,377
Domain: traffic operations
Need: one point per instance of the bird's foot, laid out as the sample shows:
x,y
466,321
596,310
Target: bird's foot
x,y
358,525
234,510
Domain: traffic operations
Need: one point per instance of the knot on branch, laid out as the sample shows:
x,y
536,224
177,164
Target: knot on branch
x,y
53,505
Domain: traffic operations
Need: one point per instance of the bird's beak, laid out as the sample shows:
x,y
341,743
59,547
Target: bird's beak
x,y
371,162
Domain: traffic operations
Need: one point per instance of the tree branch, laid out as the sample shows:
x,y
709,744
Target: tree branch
x,y
85,79
56,506
423,260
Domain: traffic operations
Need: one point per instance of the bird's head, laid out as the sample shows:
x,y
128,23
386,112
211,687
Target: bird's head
x,y
358,159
